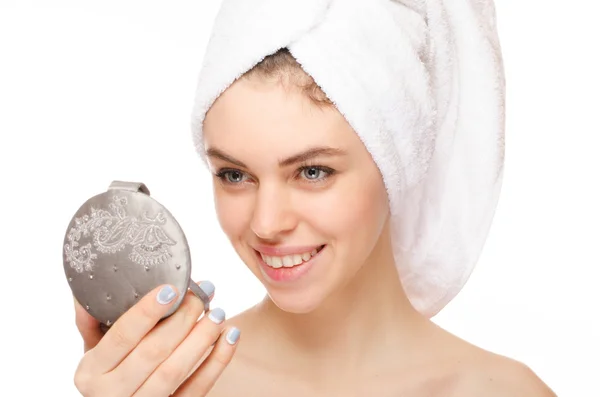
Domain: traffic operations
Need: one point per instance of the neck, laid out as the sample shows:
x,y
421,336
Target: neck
x,y
360,325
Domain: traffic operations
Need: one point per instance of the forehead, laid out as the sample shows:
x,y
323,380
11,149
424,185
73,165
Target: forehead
x,y
261,119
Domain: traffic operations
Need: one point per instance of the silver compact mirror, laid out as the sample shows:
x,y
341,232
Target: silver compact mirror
x,y
120,245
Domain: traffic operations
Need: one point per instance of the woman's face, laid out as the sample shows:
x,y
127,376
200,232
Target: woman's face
x,y
296,192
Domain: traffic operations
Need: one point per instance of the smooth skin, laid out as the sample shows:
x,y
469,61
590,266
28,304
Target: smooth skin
x,y
143,357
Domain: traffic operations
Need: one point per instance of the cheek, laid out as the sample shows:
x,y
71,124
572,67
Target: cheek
x,y
352,213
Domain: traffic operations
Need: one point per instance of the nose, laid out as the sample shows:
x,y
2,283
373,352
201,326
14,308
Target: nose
x,y
273,213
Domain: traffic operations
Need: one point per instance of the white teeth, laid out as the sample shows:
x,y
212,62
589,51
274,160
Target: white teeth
x,y
288,260
266,259
276,262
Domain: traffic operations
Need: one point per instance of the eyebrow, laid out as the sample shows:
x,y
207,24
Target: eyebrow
x,y
296,158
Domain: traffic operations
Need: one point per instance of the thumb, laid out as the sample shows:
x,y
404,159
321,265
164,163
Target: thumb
x,y
88,326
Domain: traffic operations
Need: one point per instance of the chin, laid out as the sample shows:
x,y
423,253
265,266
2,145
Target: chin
x,y
298,302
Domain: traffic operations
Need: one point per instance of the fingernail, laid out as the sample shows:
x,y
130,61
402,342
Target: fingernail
x,y
166,295
232,336
208,288
217,315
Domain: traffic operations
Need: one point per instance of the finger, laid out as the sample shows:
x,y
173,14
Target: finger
x,y
130,328
204,378
158,345
178,366
88,327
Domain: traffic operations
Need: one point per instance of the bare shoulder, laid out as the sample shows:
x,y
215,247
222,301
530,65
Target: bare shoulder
x,y
497,376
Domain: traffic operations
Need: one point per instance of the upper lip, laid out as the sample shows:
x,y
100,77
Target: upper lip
x,y
284,251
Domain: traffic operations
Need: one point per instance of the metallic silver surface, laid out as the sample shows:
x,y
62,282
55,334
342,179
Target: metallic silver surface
x,y
196,290
119,246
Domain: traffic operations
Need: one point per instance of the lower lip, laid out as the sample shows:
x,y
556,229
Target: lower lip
x,y
288,274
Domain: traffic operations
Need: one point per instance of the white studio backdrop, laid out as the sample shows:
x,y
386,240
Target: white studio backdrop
x,y
96,91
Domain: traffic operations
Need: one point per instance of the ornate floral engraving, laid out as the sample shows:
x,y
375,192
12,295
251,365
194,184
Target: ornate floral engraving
x,y
112,231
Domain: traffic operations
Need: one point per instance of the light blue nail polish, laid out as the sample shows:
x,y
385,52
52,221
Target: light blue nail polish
x,y
166,295
217,315
232,336
208,288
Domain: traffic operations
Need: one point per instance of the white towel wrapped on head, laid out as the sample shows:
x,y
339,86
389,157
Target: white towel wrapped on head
x,y
422,84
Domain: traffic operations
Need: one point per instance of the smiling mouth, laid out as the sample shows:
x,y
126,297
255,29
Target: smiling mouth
x,y
287,261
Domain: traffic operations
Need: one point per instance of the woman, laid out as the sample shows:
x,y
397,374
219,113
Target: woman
x,y
356,186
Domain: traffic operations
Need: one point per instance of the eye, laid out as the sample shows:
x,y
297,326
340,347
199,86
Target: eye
x,y
312,173
232,177
315,173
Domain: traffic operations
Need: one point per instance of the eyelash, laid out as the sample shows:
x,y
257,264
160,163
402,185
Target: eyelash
x,y
222,173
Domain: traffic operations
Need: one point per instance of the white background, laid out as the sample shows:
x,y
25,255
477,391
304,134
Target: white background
x,y
94,91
